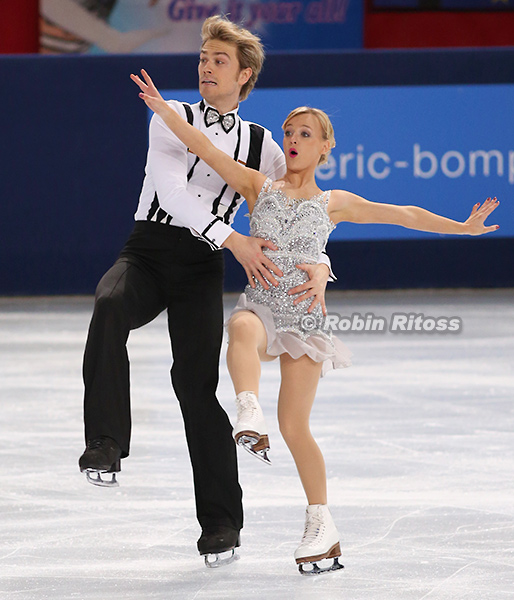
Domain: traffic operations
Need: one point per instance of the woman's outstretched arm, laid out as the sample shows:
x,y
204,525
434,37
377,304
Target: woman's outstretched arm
x,y
345,206
247,182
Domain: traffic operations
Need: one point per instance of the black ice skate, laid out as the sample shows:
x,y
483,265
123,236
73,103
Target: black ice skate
x,y
218,546
102,455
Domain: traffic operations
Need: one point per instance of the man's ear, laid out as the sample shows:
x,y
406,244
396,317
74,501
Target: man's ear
x,y
244,75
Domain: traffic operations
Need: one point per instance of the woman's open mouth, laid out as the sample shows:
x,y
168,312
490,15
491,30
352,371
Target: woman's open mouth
x,y
293,152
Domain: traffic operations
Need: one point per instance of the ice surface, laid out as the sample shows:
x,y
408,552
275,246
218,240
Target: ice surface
x,y
418,438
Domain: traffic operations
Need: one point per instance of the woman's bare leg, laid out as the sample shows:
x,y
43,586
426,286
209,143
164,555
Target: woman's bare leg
x,y
297,391
246,349
320,538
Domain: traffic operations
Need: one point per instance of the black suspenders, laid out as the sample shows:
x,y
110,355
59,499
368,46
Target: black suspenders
x,y
253,161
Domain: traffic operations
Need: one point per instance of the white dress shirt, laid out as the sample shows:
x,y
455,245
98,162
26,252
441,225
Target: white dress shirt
x,y
181,190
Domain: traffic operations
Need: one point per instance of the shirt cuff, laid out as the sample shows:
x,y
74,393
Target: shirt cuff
x,y
324,259
216,232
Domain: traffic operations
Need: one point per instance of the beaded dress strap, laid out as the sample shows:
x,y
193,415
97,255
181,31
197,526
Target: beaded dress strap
x,y
266,186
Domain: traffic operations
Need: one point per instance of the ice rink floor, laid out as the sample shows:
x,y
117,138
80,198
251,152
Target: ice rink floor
x,y
418,438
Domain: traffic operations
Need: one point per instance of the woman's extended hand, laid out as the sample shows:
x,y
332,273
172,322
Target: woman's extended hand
x,y
475,222
314,288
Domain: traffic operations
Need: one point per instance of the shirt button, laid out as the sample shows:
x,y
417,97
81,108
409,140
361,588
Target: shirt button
x,y
216,133
199,195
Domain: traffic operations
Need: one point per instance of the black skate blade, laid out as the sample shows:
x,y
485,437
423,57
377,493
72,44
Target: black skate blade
x,y
313,569
222,559
248,443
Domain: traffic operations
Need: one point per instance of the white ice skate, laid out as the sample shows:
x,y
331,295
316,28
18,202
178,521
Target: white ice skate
x,y
250,431
320,541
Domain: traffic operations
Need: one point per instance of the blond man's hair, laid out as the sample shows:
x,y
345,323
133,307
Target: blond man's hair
x,y
327,129
250,52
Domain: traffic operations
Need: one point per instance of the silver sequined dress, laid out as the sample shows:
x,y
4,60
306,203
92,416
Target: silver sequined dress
x,y
300,229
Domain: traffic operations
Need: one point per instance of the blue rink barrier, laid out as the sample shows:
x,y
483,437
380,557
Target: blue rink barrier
x,y
74,142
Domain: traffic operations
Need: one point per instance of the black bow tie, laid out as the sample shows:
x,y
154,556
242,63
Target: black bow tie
x,y
212,116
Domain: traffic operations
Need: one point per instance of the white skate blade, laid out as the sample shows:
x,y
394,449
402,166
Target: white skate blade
x,y
312,568
98,479
222,559
256,446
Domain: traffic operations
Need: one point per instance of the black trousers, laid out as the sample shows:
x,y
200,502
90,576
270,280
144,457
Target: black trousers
x,y
161,268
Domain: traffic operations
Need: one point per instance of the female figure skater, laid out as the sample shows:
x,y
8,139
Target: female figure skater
x,y
297,217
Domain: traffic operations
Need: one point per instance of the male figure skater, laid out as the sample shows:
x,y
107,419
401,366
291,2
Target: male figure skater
x,y
172,261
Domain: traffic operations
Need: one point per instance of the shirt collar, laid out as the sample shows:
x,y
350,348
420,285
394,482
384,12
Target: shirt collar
x,y
204,105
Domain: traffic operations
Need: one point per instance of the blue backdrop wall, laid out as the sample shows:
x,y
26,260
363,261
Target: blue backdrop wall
x,y
74,140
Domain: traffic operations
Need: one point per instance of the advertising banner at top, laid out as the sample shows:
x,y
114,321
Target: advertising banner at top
x,y
444,4
173,26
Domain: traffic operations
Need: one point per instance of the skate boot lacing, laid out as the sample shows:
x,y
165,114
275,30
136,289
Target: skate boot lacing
x,y
314,529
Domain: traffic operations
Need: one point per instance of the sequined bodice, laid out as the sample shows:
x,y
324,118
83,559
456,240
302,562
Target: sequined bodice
x,y
300,229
